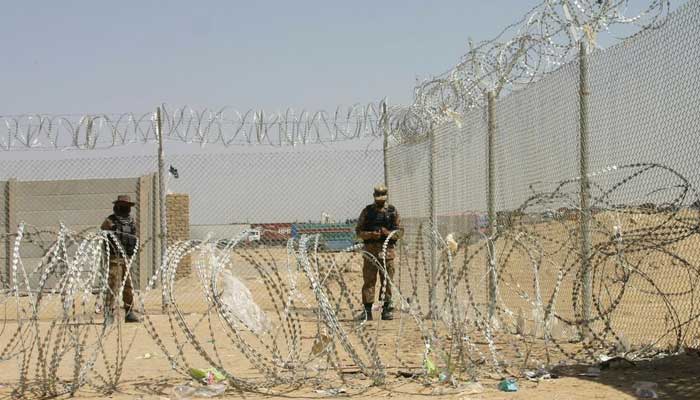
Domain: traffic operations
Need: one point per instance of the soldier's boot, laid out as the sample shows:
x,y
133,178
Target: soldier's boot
x,y
132,316
387,311
366,313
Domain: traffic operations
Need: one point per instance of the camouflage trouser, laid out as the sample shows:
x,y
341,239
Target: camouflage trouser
x,y
117,269
369,276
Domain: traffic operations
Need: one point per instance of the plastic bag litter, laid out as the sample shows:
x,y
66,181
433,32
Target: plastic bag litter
x,y
185,392
332,391
539,375
182,392
430,367
444,376
508,385
208,376
210,390
239,303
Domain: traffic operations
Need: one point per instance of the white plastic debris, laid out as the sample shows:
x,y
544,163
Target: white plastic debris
x,y
452,244
187,392
238,302
210,390
332,391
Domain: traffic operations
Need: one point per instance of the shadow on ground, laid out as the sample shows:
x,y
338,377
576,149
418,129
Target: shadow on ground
x,y
677,376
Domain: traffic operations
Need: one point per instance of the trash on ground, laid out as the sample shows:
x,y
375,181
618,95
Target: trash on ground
x,y
186,392
645,390
210,390
508,385
451,243
208,376
430,367
238,302
182,392
616,362
444,376
332,391
540,375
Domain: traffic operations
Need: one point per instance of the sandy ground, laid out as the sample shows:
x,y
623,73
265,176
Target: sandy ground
x,y
642,317
152,378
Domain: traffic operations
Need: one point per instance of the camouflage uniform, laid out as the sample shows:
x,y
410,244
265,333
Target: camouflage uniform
x,y
124,231
373,226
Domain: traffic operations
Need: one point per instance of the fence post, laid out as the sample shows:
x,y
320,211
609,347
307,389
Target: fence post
x,y
162,198
154,209
491,195
432,301
385,129
10,228
144,226
585,216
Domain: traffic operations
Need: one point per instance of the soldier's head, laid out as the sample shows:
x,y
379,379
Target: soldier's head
x,y
122,205
380,195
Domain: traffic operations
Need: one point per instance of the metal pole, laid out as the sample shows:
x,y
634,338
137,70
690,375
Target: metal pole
x,y
162,191
385,128
585,220
10,229
491,195
433,228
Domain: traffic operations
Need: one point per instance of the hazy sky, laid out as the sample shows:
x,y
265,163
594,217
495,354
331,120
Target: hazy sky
x,y
100,57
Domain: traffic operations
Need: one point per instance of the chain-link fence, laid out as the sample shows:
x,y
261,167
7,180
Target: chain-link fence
x,y
562,217
276,192
638,104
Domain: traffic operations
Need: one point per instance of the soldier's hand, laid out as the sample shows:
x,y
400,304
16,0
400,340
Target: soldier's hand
x,y
107,225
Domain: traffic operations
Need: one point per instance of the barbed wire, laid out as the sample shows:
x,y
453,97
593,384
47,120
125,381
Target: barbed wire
x,y
543,40
225,126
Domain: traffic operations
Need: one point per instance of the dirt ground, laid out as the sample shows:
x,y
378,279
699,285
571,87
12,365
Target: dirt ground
x,y
147,372
150,377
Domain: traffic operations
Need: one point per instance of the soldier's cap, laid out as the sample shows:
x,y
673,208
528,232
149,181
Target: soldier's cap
x,y
380,192
124,199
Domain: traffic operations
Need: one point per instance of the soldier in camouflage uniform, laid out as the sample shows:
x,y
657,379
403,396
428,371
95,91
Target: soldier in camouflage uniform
x,y
124,230
376,222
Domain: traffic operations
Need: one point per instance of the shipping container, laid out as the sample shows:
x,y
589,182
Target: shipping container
x,y
333,237
274,233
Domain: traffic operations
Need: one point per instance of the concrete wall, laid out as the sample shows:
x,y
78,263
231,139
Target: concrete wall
x,y
82,206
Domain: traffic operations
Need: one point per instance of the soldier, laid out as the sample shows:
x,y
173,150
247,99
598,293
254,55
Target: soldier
x,y
376,222
124,230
